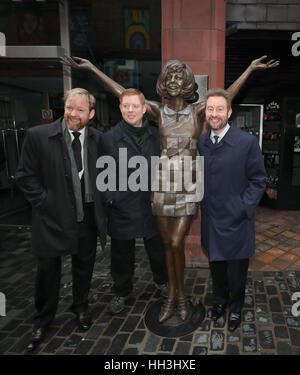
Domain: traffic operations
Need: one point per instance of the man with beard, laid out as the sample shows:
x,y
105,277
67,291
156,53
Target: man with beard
x,y
57,173
234,181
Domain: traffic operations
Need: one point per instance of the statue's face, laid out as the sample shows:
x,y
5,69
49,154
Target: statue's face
x,y
174,83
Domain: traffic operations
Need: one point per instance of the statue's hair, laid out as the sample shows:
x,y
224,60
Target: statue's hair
x,y
188,89
83,92
219,92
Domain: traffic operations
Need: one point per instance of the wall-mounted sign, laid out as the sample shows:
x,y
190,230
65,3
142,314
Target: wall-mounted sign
x,y
47,116
137,29
272,111
80,27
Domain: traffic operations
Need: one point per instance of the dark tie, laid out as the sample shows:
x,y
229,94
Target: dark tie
x,y
216,139
76,145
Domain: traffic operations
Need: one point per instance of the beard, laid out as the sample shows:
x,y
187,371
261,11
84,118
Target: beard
x,y
220,126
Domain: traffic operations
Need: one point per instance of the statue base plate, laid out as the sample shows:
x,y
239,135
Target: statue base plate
x,y
174,326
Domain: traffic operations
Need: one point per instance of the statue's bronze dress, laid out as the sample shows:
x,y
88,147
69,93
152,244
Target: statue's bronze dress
x,y
178,133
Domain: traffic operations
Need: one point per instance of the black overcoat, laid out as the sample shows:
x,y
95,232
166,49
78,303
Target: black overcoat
x,y
44,175
130,213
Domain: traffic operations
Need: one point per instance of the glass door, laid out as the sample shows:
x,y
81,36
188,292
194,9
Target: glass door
x,y
249,117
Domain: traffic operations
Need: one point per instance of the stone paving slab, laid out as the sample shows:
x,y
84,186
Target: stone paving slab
x,y
269,325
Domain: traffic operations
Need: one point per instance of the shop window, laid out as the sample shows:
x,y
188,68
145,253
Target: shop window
x,y
30,23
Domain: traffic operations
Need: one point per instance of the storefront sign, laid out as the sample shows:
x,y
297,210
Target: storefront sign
x,y
2,45
47,116
296,46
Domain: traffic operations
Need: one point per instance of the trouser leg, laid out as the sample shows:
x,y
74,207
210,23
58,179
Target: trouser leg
x,y
82,271
156,253
47,286
122,265
237,277
220,282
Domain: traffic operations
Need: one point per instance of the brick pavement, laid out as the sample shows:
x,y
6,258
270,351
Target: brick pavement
x,y
268,325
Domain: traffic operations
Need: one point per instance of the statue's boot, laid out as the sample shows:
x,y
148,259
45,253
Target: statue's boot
x,y
167,310
183,307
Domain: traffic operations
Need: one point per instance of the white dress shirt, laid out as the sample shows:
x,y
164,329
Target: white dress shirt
x,y
221,135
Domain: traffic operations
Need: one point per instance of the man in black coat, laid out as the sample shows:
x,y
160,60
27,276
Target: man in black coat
x,y
57,173
130,214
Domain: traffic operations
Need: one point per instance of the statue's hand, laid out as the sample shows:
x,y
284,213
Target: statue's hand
x,y
76,62
257,64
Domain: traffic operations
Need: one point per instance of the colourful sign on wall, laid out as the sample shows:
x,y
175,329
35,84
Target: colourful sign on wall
x,y
137,28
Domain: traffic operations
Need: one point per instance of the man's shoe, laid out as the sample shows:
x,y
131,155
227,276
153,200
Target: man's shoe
x,y
163,288
37,337
84,320
217,311
234,321
118,304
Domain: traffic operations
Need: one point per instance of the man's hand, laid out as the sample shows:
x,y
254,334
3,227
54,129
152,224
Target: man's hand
x,y
257,64
76,62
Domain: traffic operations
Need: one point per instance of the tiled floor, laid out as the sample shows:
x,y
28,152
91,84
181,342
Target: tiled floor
x,y
277,240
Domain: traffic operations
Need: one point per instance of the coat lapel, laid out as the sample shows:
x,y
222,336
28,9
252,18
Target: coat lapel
x,y
230,138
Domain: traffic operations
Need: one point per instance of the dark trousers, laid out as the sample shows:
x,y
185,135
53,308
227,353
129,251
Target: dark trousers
x,y
49,275
229,282
123,261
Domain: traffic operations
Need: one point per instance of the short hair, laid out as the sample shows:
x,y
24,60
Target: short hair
x,y
131,92
83,92
219,92
188,89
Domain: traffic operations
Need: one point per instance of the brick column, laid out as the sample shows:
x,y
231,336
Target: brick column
x,y
193,31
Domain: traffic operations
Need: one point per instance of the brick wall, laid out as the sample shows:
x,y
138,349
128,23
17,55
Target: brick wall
x,y
264,14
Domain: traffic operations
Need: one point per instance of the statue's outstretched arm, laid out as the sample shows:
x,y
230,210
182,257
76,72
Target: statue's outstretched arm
x,y
114,87
83,64
255,65
237,84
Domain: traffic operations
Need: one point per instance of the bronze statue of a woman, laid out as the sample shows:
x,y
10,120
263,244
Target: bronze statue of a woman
x,y
179,129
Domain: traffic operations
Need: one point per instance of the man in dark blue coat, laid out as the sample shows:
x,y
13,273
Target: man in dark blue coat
x,y
129,208
234,181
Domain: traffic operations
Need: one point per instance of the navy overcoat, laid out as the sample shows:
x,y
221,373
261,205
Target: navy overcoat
x,y
234,181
